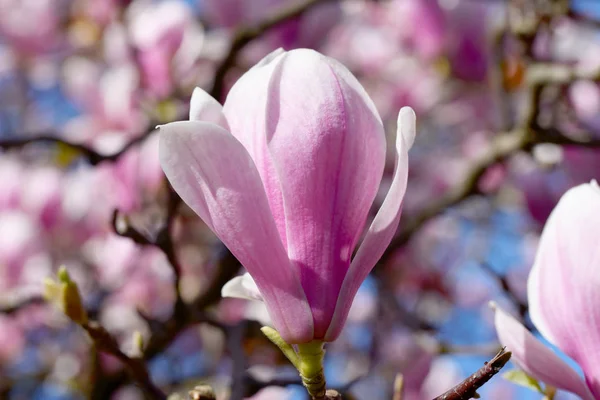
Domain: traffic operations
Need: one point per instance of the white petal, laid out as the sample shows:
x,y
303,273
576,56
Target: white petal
x,y
203,107
242,287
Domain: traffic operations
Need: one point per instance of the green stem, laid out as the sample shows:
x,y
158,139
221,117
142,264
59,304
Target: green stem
x,y
308,360
311,368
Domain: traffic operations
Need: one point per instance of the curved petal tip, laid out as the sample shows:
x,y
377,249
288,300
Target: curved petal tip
x,y
242,287
407,125
270,57
537,360
203,107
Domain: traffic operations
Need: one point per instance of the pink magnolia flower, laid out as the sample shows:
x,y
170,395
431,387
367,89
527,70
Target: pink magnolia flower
x,y
307,30
564,300
165,36
284,174
425,28
31,27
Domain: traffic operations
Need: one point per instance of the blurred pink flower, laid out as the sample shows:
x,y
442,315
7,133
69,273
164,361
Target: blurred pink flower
x,y
158,31
105,11
31,26
11,175
133,178
425,29
41,195
468,41
564,300
285,174
585,98
542,187
148,286
12,339
308,30
230,13
18,241
109,101
412,356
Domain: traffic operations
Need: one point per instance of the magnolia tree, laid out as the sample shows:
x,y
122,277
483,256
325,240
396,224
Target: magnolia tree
x,y
290,199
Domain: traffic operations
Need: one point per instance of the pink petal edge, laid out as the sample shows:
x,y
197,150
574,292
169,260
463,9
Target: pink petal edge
x,y
564,300
382,228
341,149
215,176
536,359
203,107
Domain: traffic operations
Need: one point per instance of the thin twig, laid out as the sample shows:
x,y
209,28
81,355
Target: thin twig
x,y
505,146
235,343
506,288
11,307
584,19
93,157
558,74
246,34
467,389
136,367
121,227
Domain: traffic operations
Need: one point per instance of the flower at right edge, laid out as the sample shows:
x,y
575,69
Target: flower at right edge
x,y
564,298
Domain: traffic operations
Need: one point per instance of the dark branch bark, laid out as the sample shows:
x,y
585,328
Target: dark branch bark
x,y
136,367
11,307
467,389
90,154
244,35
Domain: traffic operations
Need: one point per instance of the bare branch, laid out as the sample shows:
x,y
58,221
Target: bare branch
x,y
136,367
15,305
90,154
245,35
557,74
505,146
467,389
523,138
506,288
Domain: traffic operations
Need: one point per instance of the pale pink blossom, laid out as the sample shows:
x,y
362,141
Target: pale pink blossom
x,y
543,186
12,339
307,30
110,101
564,300
32,26
285,174
133,179
425,29
168,41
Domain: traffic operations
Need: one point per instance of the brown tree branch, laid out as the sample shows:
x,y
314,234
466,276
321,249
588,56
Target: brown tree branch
x,y
15,305
504,146
93,157
467,389
136,367
507,289
246,34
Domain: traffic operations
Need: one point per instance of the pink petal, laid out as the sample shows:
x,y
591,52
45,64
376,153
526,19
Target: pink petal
x,y
203,107
382,228
536,359
214,175
564,284
246,108
328,146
